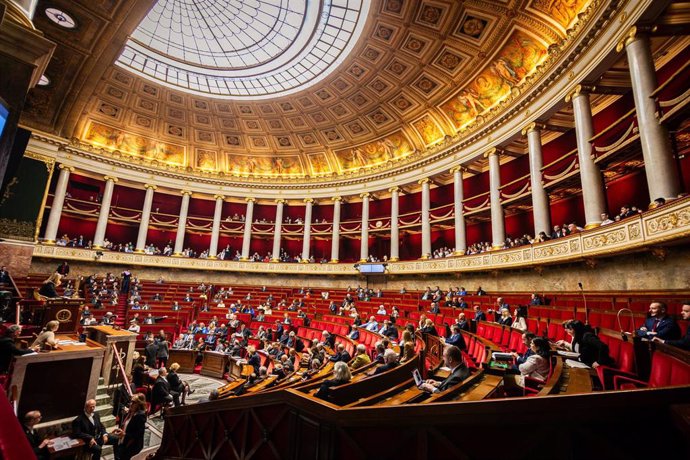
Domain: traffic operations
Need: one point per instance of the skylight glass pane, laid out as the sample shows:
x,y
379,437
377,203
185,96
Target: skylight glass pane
x,y
258,41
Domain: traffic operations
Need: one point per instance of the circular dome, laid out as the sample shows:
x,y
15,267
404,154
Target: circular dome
x,y
243,48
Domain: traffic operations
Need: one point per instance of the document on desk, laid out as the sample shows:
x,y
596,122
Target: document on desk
x,y
62,443
569,354
576,364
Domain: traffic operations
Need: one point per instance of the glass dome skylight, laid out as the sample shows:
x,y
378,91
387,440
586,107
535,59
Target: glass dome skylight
x,y
243,48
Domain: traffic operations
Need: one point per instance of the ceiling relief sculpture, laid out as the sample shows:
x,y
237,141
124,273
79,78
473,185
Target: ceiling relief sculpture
x,y
421,74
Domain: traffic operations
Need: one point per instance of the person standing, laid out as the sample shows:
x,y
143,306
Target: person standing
x,y
133,429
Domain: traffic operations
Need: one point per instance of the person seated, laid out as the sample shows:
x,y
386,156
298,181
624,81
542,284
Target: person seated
x,y
253,358
659,324
462,322
46,339
536,366
456,338
108,319
49,286
188,298
535,300
361,357
354,332
381,310
479,315
328,339
519,321
38,445
341,354
134,326
380,349
178,387
593,352
389,330
88,427
480,291
288,365
161,395
683,342
527,338
341,376
390,361
505,319
452,358
434,309
429,328
150,319
134,428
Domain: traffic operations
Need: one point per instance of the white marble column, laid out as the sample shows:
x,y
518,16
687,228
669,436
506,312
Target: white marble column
x,y
306,240
335,241
275,254
102,223
364,246
498,225
459,211
58,202
426,218
215,229
593,193
182,223
540,201
247,236
145,218
395,223
659,164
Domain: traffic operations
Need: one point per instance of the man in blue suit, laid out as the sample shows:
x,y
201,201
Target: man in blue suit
x,y
683,342
456,338
659,324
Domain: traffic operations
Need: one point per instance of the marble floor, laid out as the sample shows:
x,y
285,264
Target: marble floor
x,y
201,385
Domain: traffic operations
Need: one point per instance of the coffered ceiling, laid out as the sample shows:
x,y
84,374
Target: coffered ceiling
x,y
421,73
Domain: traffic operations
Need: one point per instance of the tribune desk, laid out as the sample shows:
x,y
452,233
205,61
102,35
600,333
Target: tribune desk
x,y
185,358
58,382
124,342
214,364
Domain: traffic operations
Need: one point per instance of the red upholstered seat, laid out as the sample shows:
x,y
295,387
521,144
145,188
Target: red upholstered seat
x,y
666,371
623,357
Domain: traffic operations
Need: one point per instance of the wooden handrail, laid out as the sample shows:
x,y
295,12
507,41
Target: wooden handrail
x,y
515,181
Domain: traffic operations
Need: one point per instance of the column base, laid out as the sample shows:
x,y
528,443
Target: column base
x,y
592,225
96,247
363,261
304,261
177,254
275,260
425,257
49,242
212,257
496,248
333,261
458,253
394,259
138,251
244,259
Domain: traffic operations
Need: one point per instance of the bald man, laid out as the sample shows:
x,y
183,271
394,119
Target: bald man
x,y
88,427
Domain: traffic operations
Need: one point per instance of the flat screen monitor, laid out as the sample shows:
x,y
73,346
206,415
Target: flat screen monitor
x,y
372,269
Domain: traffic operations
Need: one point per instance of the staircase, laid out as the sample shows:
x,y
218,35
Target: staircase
x,y
104,408
121,311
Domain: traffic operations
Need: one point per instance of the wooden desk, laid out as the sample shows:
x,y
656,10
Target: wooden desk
x,y
58,382
214,364
124,342
185,358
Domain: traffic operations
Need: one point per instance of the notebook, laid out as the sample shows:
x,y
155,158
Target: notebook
x,y
417,377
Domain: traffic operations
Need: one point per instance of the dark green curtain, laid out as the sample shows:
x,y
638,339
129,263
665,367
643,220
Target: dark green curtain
x,y
21,201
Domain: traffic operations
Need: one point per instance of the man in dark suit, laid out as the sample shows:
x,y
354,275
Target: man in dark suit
x,y
151,351
479,314
659,324
341,355
390,361
88,427
160,395
4,275
40,447
456,338
389,330
452,358
683,342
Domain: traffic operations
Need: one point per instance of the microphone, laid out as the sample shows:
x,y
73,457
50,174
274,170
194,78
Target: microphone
x,y
579,285
584,300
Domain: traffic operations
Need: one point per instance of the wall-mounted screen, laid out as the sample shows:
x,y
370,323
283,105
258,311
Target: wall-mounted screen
x,y
372,269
